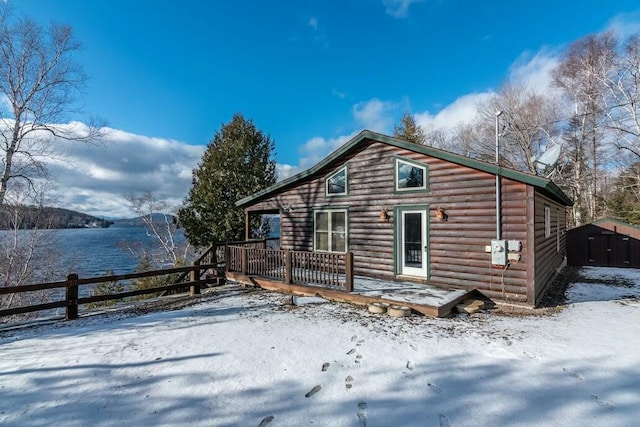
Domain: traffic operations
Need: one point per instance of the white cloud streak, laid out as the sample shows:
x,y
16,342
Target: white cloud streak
x,y
398,8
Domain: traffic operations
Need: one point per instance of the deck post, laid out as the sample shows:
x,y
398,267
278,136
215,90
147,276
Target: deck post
x,y
72,296
244,261
287,266
348,271
227,258
194,288
247,226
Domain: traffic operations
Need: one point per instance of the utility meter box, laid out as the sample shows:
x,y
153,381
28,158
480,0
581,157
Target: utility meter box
x,y
499,252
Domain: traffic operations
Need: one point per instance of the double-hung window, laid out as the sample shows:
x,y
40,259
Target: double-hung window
x,y
330,230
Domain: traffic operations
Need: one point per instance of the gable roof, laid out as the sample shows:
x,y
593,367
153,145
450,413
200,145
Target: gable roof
x,y
544,184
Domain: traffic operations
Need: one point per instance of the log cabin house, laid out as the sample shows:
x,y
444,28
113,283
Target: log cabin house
x,y
410,212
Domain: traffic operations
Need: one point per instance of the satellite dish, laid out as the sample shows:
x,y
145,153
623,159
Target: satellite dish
x,y
549,157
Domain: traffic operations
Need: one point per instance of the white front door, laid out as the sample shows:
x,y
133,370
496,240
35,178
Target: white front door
x,y
412,242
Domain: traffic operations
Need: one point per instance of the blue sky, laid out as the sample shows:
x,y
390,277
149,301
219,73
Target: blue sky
x,y
309,73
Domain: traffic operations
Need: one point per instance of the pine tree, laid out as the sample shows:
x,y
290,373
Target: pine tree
x,y
237,163
409,130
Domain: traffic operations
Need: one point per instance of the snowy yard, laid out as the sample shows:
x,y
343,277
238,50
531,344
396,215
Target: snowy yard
x,y
240,358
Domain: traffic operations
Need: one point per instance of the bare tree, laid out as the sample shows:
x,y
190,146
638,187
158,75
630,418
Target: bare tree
x,y
622,97
160,223
26,255
582,73
528,123
38,82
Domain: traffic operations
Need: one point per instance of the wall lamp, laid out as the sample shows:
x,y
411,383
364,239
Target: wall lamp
x,y
441,215
384,216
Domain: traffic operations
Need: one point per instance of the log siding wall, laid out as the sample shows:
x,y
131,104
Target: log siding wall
x,y
456,247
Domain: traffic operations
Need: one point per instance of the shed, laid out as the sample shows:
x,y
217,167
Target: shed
x,y
412,212
606,242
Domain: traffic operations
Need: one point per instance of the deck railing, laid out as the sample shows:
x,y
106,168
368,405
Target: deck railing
x,y
293,267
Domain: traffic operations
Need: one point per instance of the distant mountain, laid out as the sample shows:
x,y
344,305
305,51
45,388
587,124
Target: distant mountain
x,y
155,217
49,217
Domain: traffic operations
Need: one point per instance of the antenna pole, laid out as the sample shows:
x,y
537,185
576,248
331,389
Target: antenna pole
x,y
498,195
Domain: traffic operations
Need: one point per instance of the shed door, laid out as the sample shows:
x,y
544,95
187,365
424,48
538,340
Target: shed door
x,y
412,242
608,250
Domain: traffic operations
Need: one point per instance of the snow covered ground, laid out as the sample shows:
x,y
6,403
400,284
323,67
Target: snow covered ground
x,y
249,359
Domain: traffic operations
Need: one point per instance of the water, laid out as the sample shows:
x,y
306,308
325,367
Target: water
x,y
91,252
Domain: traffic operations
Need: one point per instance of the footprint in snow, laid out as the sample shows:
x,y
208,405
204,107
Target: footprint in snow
x,y
573,374
362,413
604,404
313,391
266,421
350,352
354,338
360,343
348,382
410,365
434,387
325,366
444,421
413,347
358,358
531,355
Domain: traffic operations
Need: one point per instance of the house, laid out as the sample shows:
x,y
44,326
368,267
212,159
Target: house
x,y
409,212
606,242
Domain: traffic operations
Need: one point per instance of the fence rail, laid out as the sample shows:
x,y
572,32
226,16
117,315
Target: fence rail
x,y
73,282
324,269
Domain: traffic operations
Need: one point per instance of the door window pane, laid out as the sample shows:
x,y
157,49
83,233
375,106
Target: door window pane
x,y
413,239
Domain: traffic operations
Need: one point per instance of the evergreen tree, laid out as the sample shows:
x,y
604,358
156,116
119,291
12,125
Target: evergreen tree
x,y
237,163
624,203
409,130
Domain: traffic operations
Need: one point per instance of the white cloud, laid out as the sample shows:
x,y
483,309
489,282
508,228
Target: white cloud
x,y
398,8
625,24
313,23
462,110
534,71
317,148
336,92
375,115
94,178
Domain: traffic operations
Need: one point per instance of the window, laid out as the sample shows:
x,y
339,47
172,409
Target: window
x,y
547,221
336,183
410,176
330,230
557,229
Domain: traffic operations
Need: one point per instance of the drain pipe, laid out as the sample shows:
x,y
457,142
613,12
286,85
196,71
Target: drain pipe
x,y
498,195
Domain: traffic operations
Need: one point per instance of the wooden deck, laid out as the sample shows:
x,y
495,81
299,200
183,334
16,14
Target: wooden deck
x,y
425,299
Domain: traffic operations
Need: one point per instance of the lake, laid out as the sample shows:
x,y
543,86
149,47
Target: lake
x,y
92,252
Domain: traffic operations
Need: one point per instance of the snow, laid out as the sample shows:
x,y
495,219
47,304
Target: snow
x,y
239,357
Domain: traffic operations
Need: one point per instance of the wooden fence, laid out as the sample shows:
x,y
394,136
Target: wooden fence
x,y
324,269
73,283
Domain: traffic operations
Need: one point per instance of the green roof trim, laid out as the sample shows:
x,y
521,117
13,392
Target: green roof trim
x,y
615,221
539,182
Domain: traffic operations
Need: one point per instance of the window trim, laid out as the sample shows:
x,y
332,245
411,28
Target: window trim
x,y
346,229
547,221
346,182
425,168
557,230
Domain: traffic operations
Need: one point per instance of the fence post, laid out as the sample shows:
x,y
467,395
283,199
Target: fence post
x,y
72,296
244,261
227,258
348,270
287,266
194,278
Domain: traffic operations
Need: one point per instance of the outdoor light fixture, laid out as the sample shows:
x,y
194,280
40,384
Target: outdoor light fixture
x,y
441,215
384,216
287,207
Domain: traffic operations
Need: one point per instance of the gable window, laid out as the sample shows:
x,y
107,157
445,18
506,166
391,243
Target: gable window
x,y
330,230
336,183
547,221
410,176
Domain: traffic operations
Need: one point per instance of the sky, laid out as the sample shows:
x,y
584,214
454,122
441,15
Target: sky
x,y
245,358
165,76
